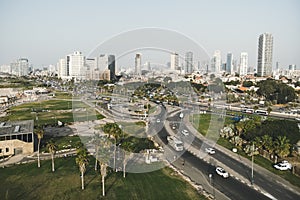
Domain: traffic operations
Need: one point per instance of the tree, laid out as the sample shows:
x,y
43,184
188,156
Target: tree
x,y
269,110
282,146
104,156
82,161
267,143
114,131
247,84
40,134
52,147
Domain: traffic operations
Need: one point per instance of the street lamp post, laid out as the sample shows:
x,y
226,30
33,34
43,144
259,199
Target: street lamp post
x,y
252,172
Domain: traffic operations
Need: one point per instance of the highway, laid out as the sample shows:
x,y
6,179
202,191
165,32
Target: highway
x,y
263,181
231,187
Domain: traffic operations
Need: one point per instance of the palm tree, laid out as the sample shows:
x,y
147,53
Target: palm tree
x,y
282,146
82,161
52,147
268,143
114,131
104,155
40,134
103,171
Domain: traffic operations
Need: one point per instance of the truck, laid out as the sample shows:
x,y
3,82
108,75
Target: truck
x,y
175,143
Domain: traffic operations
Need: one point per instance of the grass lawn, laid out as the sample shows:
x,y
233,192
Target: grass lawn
x,y
64,142
29,182
63,95
50,111
202,122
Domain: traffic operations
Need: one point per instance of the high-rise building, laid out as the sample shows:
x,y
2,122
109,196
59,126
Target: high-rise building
x,y
229,63
216,62
174,61
188,62
107,62
72,66
265,54
292,67
138,61
148,65
20,67
243,63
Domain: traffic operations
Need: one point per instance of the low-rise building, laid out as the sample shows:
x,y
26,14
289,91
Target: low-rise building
x,y
16,137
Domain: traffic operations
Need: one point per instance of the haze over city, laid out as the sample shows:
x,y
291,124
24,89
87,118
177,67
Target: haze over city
x,y
44,31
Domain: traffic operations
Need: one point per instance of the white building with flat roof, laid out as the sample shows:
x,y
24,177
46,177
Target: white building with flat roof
x,y
265,55
243,64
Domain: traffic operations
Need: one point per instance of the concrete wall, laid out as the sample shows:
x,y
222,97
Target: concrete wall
x,y
26,147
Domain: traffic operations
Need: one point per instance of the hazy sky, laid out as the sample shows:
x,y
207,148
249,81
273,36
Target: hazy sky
x,y
44,31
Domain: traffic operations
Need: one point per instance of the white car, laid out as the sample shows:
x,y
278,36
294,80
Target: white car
x,y
185,132
158,121
284,165
210,150
220,171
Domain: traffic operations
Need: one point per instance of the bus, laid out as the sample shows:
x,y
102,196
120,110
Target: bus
x,y
261,112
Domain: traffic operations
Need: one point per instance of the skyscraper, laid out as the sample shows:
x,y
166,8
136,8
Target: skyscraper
x,y
265,54
138,61
20,67
229,63
188,62
243,63
72,66
216,62
107,62
174,61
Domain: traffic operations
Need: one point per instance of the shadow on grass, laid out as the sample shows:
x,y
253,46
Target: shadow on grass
x,y
115,176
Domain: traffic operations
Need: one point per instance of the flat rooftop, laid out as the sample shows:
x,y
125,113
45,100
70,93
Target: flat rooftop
x,y
16,127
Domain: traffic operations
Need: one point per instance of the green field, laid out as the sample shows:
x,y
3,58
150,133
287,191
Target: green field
x,y
50,111
29,182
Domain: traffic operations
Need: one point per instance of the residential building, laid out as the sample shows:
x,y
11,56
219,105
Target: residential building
x,y
20,67
72,66
265,54
229,63
188,62
174,61
138,61
216,62
243,64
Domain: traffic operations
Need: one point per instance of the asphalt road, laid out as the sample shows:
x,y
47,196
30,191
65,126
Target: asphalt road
x,y
266,183
230,187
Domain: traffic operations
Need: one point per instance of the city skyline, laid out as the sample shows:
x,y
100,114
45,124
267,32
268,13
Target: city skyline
x,y
43,32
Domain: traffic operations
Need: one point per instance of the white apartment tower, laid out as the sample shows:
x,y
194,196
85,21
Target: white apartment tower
x,y
265,54
216,62
243,64
138,61
20,67
72,66
174,61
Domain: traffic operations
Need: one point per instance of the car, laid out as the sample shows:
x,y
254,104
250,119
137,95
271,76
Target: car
x,y
210,150
185,132
283,165
158,120
220,171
